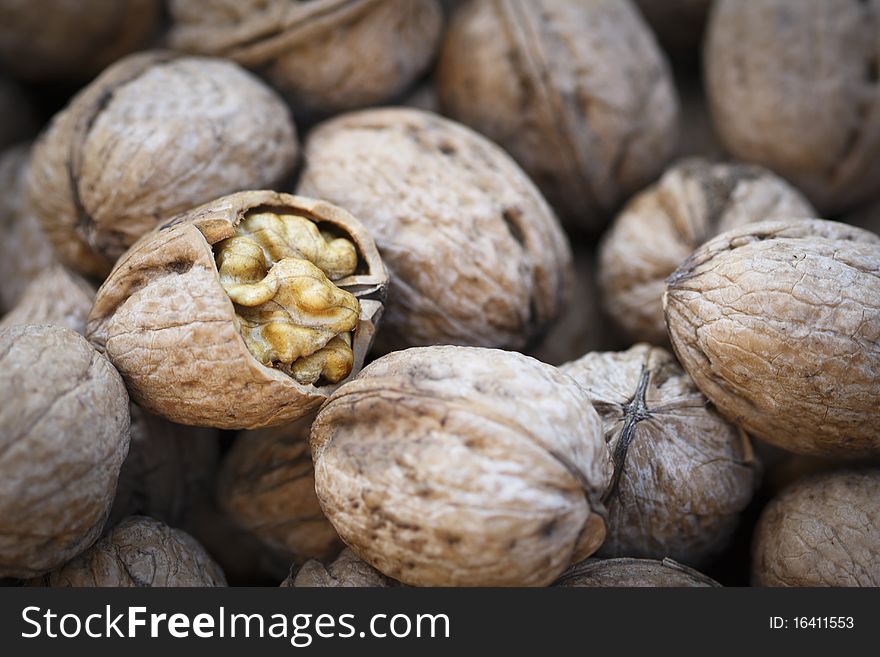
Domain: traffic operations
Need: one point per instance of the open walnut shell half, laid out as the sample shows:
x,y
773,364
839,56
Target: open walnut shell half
x,y
301,322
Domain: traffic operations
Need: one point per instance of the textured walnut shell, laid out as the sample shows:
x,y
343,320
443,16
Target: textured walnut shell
x,y
682,474
461,466
326,56
475,255
64,426
113,165
578,92
18,119
822,531
778,323
605,573
57,296
267,486
347,571
73,39
139,552
164,320
793,86
659,228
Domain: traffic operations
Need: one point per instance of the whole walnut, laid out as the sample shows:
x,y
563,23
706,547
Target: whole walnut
x,y
660,227
64,426
326,56
57,296
72,39
245,312
681,473
821,531
792,85
153,136
474,253
267,486
19,121
578,92
139,552
462,466
347,571
778,323
605,573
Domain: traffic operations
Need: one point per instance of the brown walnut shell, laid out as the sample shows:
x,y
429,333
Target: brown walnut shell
x,y
660,227
346,571
578,92
64,431
681,473
475,255
822,531
778,323
156,134
139,552
462,466
605,573
57,296
326,56
165,321
793,86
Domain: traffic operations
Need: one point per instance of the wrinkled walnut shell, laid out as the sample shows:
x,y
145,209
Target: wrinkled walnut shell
x,y
164,320
474,253
346,571
578,92
659,228
606,573
461,466
778,323
326,56
58,297
112,165
64,426
822,531
681,473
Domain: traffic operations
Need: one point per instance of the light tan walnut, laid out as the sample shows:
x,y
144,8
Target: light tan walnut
x,y
202,336
57,296
606,573
346,571
821,531
462,466
778,323
659,228
64,432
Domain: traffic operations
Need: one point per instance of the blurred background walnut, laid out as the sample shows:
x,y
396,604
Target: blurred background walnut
x,y
57,296
632,572
345,571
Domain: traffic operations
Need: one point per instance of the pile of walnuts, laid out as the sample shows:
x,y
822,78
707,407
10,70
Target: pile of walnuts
x,y
402,292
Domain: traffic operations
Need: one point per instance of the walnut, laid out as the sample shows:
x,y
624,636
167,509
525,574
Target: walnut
x,y
153,136
462,466
778,323
822,531
73,39
139,552
606,573
681,473
167,320
267,486
326,56
792,85
57,296
64,426
347,571
475,255
19,121
693,201
578,92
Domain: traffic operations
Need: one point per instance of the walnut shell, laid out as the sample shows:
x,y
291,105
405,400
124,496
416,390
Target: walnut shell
x,y
604,573
462,466
475,255
139,552
267,486
57,296
19,121
822,531
73,39
326,56
64,426
113,165
167,324
778,323
346,571
682,474
793,86
659,228
578,92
